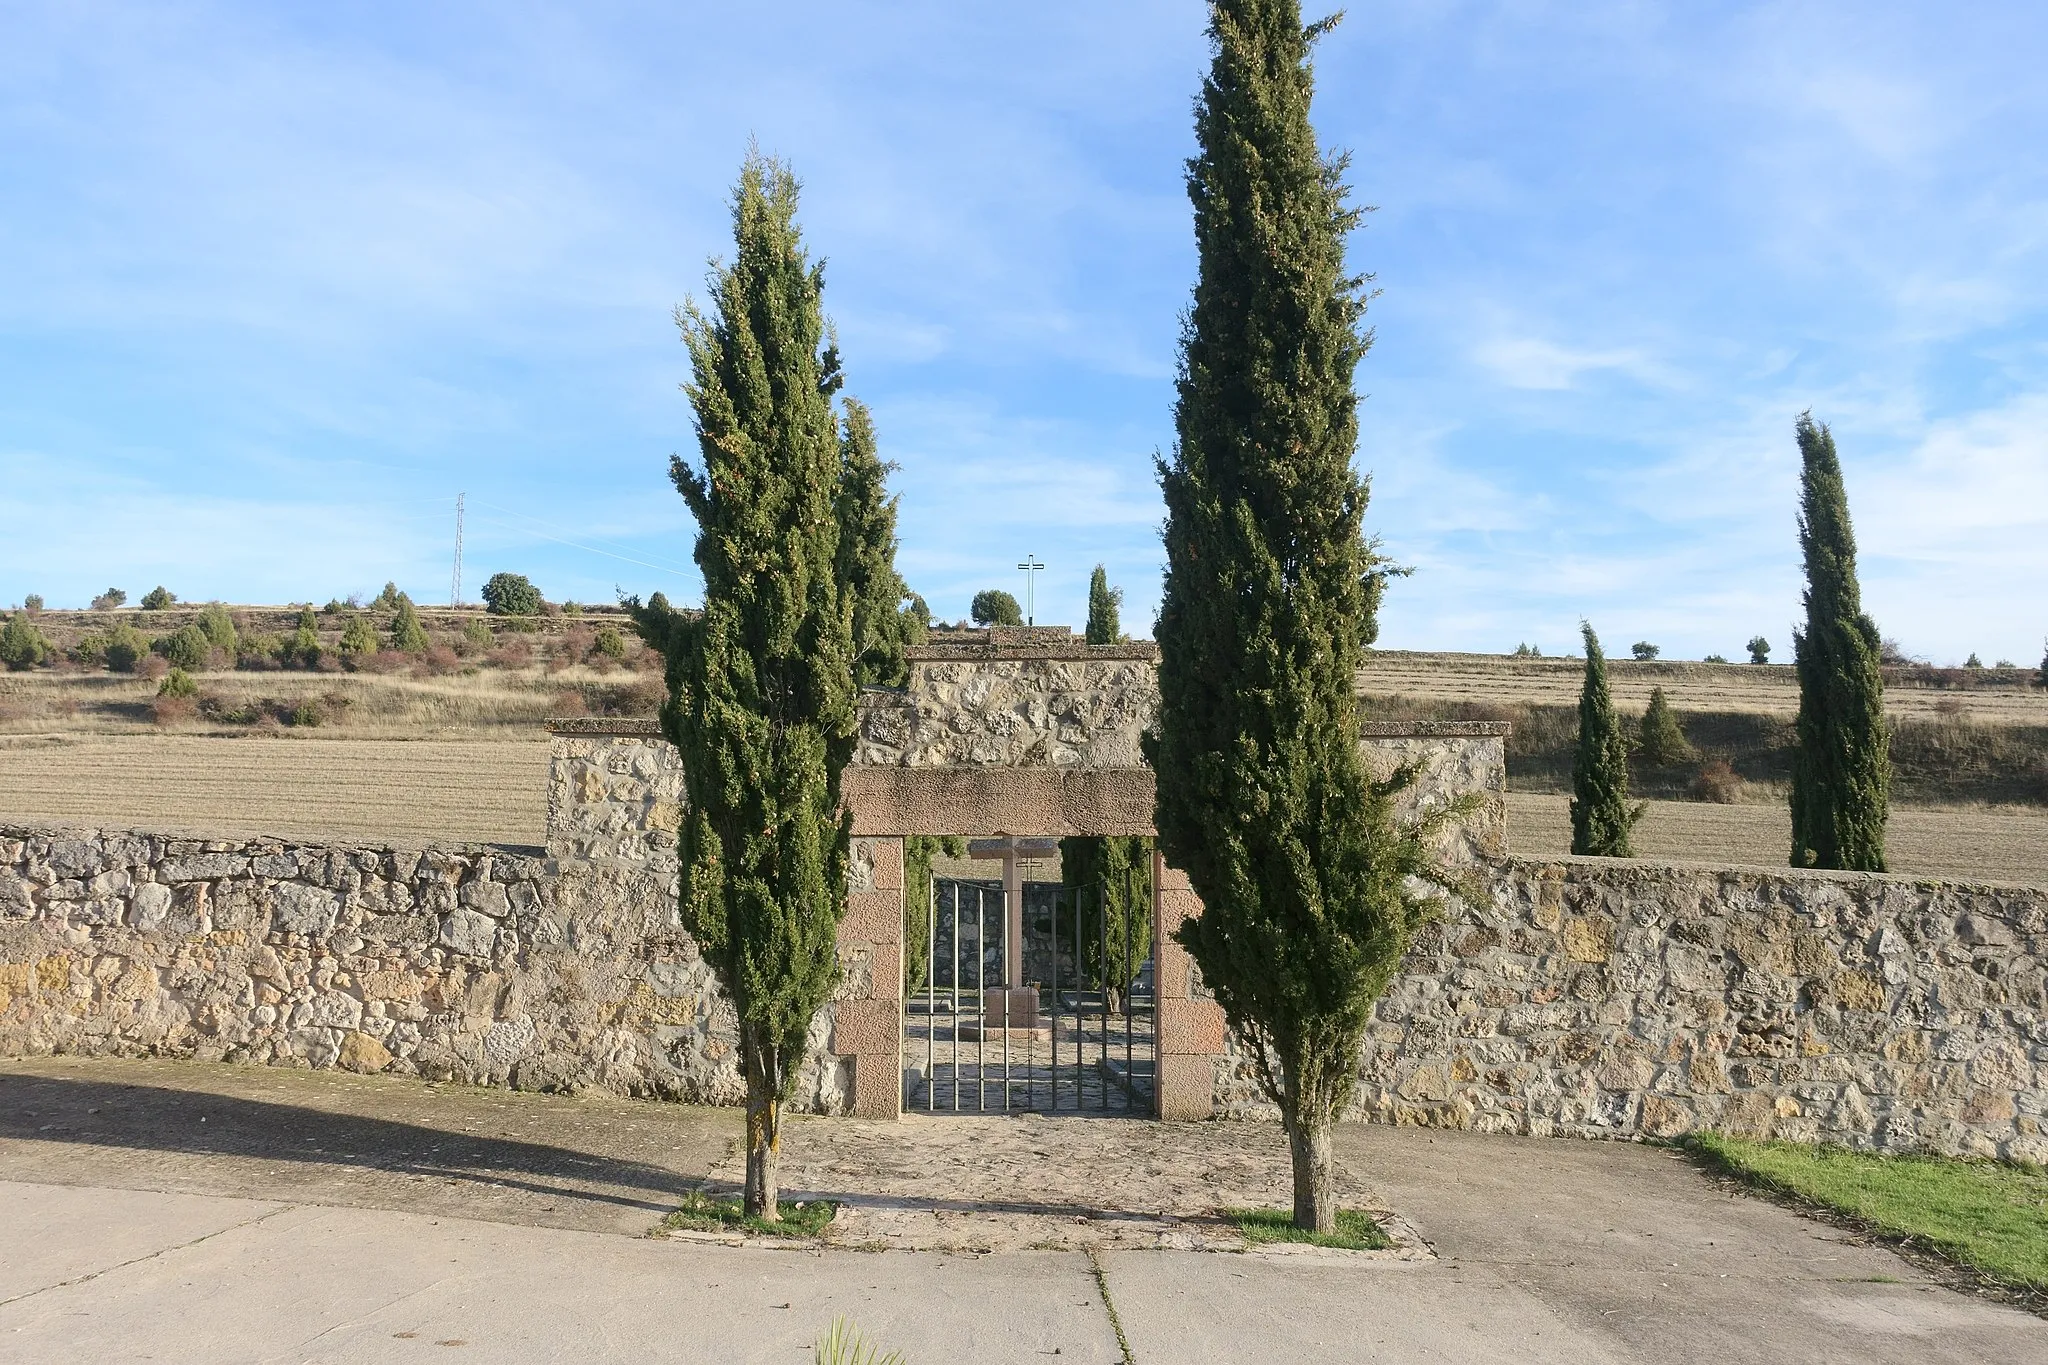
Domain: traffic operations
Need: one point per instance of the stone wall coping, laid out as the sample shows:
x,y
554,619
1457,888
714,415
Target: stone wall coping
x,y
1432,729
1653,867
216,841
1074,651
631,727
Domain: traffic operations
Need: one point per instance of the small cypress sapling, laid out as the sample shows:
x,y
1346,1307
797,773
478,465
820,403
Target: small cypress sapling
x,y
1103,601
1663,740
1841,762
22,645
408,636
1601,815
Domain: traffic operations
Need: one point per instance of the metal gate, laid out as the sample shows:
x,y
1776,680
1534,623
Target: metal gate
x,y
1077,1034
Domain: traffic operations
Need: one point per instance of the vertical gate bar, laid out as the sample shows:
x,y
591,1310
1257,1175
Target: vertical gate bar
x,y
931,1001
1102,928
981,999
1054,1106
954,1032
1130,971
1007,988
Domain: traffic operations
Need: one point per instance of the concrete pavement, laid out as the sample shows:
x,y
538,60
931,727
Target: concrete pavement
x,y
374,1221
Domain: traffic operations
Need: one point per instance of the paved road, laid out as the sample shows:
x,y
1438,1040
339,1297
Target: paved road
x,y
460,1224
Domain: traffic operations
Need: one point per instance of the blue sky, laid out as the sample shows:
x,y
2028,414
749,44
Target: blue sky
x,y
278,281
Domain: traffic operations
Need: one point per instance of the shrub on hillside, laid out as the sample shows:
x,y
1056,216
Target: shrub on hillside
x,y
1663,743
512,594
33,604
476,635
610,643
170,710
408,636
388,599
122,648
1528,651
221,711
358,639
1719,783
1715,659
108,600
304,647
257,650
185,647
22,645
159,598
1644,650
511,654
569,703
219,628
306,715
177,683
152,667
441,659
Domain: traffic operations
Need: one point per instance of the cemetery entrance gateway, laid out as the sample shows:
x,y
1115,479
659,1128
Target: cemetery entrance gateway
x,y
1043,1008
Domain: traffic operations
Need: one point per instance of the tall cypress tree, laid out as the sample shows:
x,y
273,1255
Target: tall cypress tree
x,y
1841,763
1601,815
1263,797
1103,601
761,690
883,625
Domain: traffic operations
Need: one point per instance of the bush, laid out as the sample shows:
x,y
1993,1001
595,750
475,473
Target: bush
x,y
108,600
994,607
219,628
1663,742
358,639
388,599
476,634
217,708
610,643
1973,661
171,710
178,683
511,654
1759,650
1528,651
123,648
21,644
1715,659
441,659
512,594
304,648
159,598
1644,650
569,703
408,636
185,647
305,715
1719,783
152,668
258,650
33,604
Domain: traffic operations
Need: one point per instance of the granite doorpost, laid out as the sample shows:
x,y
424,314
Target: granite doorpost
x,y
1188,1023
867,1022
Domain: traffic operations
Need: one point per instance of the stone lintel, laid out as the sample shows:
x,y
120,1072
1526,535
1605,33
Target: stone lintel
x,y
987,802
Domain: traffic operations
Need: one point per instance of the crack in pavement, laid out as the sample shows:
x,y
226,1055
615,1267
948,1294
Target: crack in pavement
x,y
154,1255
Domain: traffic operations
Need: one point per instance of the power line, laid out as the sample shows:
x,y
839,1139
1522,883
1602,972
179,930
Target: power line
x,y
660,561
587,549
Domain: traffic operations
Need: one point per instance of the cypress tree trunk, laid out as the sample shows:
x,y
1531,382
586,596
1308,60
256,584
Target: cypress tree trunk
x,y
1270,584
761,683
1601,814
1841,765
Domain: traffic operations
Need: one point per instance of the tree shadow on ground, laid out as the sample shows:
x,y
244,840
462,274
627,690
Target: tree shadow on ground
x,y
114,1115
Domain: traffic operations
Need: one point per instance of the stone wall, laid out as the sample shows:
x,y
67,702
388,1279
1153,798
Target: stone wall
x,y
1606,998
472,964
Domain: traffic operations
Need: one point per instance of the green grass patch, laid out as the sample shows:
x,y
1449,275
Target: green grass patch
x,y
1988,1216
702,1212
1356,1230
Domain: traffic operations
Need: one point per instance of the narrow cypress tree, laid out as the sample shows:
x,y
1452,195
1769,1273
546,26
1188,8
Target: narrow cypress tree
x,y
1263,797
408,636
1601,814
761,693
883,625
1841,763
1110,874
1103,601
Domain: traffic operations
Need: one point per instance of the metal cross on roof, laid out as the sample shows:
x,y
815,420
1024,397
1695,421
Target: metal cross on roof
x,y
1031,566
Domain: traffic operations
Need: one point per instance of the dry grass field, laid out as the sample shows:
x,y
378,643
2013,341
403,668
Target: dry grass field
x,y
2002,843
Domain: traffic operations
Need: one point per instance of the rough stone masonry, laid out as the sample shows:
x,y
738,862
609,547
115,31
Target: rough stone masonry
x,y
1580,996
